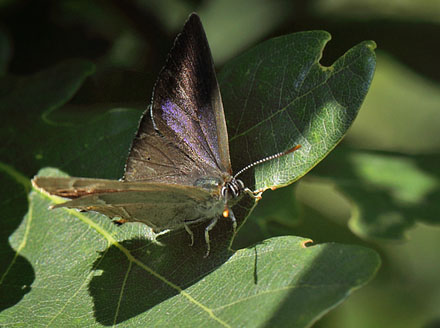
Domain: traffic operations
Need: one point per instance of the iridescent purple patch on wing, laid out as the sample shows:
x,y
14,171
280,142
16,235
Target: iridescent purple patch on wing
x,y
209,129
202,138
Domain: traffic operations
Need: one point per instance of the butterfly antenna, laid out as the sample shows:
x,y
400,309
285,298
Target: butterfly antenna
x,y
291,150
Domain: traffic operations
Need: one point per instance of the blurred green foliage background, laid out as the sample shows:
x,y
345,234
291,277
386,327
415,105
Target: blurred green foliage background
x,y
129,40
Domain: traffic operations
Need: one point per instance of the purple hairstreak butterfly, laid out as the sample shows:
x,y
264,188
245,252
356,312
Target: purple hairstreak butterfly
x,y
178,171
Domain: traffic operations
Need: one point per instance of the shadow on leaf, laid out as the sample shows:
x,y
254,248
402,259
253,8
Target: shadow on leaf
x,y
137,275
16,274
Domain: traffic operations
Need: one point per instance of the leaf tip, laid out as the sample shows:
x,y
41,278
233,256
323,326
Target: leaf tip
x,y
371,45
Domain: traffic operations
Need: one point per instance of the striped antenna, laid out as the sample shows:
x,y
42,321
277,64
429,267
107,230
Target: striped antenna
x,y
291,150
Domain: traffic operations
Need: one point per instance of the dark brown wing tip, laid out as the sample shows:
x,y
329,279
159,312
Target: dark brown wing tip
x,y
193,19
193,15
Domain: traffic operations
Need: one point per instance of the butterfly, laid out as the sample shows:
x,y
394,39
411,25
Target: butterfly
x,y
178,171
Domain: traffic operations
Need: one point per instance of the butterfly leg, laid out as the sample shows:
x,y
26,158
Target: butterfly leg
x,y
254,194
234,221
207,230
188,230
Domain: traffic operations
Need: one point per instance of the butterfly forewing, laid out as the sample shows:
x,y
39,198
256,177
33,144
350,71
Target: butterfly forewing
x,y
184,136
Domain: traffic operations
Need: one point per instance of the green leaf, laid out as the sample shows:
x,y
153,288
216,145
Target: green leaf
x,y
25,105
36,134
16,272
32,137
127,279
277,95
389,191
86,271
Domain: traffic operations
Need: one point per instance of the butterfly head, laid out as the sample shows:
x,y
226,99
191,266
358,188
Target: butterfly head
x,y
232,189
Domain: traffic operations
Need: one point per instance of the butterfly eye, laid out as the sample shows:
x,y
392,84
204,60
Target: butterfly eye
x,y
224,191
235,190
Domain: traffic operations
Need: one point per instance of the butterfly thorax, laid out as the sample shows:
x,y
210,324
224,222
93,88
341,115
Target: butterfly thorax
x,y
226,192
227,188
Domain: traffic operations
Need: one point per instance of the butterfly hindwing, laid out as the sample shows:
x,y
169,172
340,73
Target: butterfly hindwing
x,y
160,206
